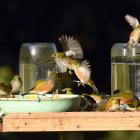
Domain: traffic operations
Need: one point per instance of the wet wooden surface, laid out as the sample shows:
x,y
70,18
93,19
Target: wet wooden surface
x,y
71,121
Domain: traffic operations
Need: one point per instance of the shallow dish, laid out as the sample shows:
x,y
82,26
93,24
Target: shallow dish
x,y
59,103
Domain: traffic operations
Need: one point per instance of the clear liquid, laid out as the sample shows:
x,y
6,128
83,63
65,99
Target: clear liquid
x,y
125,76
30,73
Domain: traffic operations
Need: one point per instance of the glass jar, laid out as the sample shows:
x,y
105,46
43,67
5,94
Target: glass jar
x,y
34,62
125,68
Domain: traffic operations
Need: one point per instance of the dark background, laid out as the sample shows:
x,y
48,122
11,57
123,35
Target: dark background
x,y
97,24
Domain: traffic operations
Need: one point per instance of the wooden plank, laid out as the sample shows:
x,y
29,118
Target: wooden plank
x,y
71,121
1,127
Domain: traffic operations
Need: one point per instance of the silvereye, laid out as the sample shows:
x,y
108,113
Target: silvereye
x,y
16,84
70,59
96,97
6,74
113,104
68,91
5,90
128,97
44,86
135,34
96,101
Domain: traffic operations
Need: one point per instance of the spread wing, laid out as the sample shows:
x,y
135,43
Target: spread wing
x,y
132,21
59,67
71,46
83,72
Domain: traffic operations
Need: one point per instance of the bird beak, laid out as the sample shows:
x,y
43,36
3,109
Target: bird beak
x,y
53,55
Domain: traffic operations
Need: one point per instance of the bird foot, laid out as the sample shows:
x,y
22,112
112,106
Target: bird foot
x,y
39,99
79,83
55,94
71,72
95,89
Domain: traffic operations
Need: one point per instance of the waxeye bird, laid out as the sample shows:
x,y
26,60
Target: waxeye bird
x,y
135,34
43,87
127,97
16,84
6,74
70,60
5,90
113,104
108,103
104,102
90,102
87,103
68,91
98,97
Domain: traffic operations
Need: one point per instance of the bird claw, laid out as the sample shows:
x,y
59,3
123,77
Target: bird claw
x,y
39,99
54,94
79,83
95,89
70,72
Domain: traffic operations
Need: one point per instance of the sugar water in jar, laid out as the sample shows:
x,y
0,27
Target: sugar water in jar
x,y
125,68
34,63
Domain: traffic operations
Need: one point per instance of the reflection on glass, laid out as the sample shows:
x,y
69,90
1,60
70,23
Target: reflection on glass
x,y
125,68
34,63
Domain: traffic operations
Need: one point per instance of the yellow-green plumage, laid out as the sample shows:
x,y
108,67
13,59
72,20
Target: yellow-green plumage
x,y
5,90
70,60
16,84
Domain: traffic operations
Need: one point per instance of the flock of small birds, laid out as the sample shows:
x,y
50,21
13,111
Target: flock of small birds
x,y
71,61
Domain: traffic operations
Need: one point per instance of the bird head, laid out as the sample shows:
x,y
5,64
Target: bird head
x,y
58,55
16,77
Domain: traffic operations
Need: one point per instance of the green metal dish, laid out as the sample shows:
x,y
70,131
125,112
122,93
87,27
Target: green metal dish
x,y
21,104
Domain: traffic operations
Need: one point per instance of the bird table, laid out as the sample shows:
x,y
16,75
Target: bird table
x,y
70,121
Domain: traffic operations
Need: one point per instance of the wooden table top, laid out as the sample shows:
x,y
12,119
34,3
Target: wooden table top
x,y
71,121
